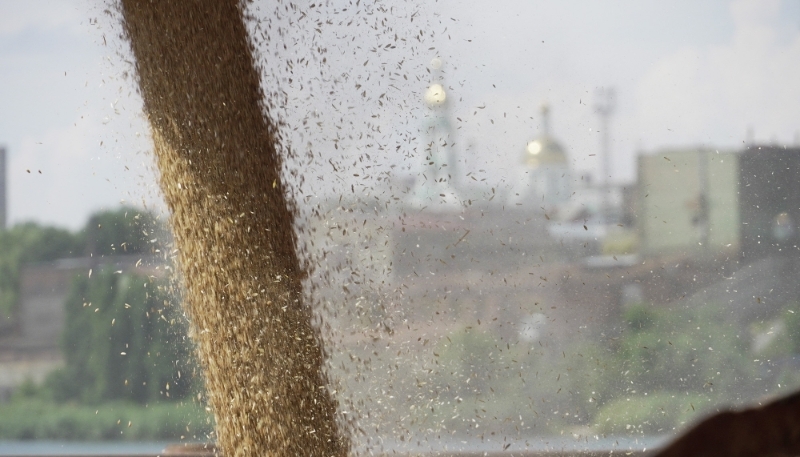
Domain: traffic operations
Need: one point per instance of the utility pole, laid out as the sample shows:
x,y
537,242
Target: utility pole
x,y
2,188
604,107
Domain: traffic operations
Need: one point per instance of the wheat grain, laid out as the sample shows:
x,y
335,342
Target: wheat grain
x,y
220,175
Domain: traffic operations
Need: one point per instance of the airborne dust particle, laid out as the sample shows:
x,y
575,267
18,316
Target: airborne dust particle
x,y
220,175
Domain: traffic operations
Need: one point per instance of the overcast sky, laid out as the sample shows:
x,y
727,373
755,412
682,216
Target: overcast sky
x,y
686,73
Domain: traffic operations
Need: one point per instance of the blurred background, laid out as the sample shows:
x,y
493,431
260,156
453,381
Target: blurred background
x,y
531,224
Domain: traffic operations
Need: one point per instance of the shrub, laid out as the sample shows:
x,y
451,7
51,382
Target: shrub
x,y
657,414
37,419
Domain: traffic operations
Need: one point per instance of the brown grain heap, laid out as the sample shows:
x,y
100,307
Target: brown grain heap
x,y
220,175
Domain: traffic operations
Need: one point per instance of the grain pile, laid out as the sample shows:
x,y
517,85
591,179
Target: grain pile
x,y
220,175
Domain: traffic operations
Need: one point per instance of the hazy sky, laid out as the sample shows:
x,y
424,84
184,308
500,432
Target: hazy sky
x,y
686,73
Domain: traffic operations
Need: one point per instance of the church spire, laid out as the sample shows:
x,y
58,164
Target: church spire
x,y
545,119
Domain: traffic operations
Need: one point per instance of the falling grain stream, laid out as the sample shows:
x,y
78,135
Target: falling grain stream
x,y
221,177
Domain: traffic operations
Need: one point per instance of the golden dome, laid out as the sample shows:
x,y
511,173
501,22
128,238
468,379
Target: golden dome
x,y
435,95
544,150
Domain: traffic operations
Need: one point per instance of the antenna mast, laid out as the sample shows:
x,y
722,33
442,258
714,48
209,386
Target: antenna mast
x,y
604,107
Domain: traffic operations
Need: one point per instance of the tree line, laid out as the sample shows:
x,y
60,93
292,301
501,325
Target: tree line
x,y
124,336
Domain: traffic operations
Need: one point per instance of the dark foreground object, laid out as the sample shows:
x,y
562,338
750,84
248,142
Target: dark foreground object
x,y
769,430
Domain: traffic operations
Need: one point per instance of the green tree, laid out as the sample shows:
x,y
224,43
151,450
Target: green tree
x,y
792,320
668,368
122,341
691,350
127,230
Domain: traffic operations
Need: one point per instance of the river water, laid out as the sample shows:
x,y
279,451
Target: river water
x,y
498,444
21,448
378,446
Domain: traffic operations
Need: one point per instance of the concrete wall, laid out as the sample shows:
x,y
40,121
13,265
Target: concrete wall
x,y
43,291
688,202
